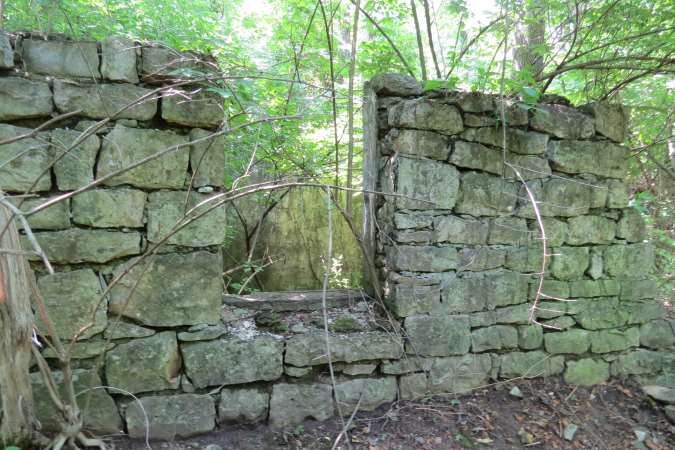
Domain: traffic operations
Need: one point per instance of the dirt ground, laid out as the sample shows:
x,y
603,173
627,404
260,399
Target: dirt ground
x,y
612,416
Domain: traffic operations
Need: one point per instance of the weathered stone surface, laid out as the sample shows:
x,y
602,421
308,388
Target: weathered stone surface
x,y
517,141
199,109
425,184
594,288
123,330
407,221
359,369
413,236
471,101
125,146
61,59
586,372
21,98
657,334
530,337
99,101
413,386
571,341
106,208
556,231
407,300
54,217
458,230
176,289
369,393
77,245
478,291
598,313
118,60
163,62
529,167
662,394
99,412
493,338
638,289
423,258
530,364
459,374
23,162
73,301
617,194
607,341
569,263
232,361
562,121
476,120
406,365
481,258
439,335
595,157
203,332
75,166
82,350
171,416
425,114
562,197
629,261
631,226
596,264
417,143
243,404
298,372
611,120
145,364
590,230
207,159
166,210
291,404
638,362
485,195
310,349
394,84
525,259
561,323
508,230
6,52
552,288
516,314
471,155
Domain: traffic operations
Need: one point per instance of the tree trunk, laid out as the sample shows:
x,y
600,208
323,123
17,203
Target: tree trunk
x,y
16,328
530,33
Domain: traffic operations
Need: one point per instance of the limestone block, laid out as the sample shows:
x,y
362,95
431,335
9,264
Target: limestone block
x,y
590,230
459,230
599,313
617,194
423,258
100,414
124,330
440,335
78,245
530,337
359,369
631,226
493,338
478,291
629,261
657,334
166,210
171,416
310,349
481,258
369,393
82,350
556,231
106,208
562,121
207,159
517,141
475,102
471,155
414,220
203,332
642,311
75,166
21,98
596,266
166,62
199,109
476,120
594,288
408,300
606,341
413,386
562,197
55,217
528,259
425,184
118,60
586,372
291,404
6,52
417,143
124,147
611,120
530,167
638,289
394,84
145,364
23,162
72,300
61,59
485,195
243,405
595,157
552,288
99,101
413,236
232,361
459,374
175,289
571,341
408,364
508,230
638,362
569,263
516,314
530,364
515,112
426,114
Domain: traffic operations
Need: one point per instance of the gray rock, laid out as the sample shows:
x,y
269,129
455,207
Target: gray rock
x,y
99,101
569,263
21,98
407,221
72,300
594,288
562,122
611,120
126,146
561,197
6,52
54,217
232,361
207,159
481,258
596,264
569,431
530,364
630,261
394,84
124,330
517,141
199,109
413,386
474,292
631,226
82,350
514,315
638,362
77,245
485,195
599,313
530,337
459,374
441,335
61,59
471,155
594,157
359,369
310,349
590,230
23,162
529,167
145,364
657,334
638,289
426,114
458,230
525,259
660,393
509,230
493,338
606,341
118,60
516,392
370,392
617,194
171,416
556,231
165,62
243,405
670,413
475,102
298,372
586,372
407,300
406,365
203,333
291,404
424,184
175,289
167,209
75,166
423,258
417,143
552,288
106,208
571,341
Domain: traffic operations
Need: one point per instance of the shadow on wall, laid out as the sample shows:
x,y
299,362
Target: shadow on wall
x,y
292,245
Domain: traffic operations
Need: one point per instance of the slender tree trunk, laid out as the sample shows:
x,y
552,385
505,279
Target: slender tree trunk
x,y
350,106
16,328
420,45
530,33
2,14
430,37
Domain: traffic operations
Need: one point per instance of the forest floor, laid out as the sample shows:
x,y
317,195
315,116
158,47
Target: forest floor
x,y
612,416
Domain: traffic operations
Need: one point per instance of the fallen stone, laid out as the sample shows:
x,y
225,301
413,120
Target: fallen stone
x,y
24,163
516,392
22,99
660,393
243,405
425,184
569,431
75,166
118,60
291,404
368,393
394,84
107,208
61,58
425,114
100,101
171,416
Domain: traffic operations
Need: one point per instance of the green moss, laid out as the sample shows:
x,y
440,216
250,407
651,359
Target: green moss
x,y
344,324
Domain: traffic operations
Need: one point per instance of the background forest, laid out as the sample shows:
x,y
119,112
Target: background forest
x,y
310,58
